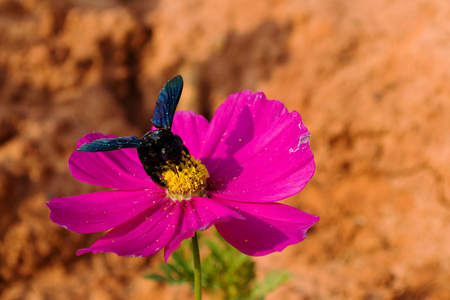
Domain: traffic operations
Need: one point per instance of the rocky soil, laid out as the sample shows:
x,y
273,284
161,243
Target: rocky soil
x,y
370,79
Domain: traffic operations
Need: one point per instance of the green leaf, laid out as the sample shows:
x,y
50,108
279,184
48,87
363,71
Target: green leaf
x,y
226,272
270,282
156,277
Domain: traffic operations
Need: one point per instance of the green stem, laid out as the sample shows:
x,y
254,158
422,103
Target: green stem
x,y
197,269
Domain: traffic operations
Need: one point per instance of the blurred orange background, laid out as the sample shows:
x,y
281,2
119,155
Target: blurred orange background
x,y
370,79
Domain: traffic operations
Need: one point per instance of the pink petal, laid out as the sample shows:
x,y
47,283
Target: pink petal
x,y
117,169
267,227
197,213
192,128
257,151
96,212
144,235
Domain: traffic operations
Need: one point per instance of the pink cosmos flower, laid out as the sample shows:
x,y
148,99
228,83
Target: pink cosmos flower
x,y
256,153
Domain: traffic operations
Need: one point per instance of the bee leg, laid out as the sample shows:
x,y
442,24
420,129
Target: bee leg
x,y
185,149
157,179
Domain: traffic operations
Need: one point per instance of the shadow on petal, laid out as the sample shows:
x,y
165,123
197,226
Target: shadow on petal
x,y
257,239
224,170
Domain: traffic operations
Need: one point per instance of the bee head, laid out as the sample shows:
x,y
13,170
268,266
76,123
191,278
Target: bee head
x,y
172,149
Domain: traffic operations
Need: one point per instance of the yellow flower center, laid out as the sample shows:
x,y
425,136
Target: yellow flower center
x,y
186,179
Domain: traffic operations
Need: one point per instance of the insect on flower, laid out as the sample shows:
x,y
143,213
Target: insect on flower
x,y
190,174
158,147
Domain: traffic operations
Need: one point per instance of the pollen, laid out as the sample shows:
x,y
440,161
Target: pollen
x,y
185,179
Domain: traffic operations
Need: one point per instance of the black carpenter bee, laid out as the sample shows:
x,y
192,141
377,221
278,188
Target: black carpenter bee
x,y
158,147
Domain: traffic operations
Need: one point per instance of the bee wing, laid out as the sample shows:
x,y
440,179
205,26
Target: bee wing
x,y
167,103
108,144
